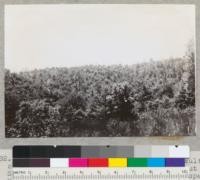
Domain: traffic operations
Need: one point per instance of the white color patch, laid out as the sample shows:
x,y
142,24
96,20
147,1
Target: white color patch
x,y
59,162
179,151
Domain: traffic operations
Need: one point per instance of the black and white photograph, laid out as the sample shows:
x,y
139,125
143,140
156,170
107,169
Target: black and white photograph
x,y
99,70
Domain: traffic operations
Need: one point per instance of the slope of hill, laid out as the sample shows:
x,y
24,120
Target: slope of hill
x,y
149,99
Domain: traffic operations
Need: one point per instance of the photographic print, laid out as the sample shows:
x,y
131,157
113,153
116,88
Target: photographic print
x,y
99,70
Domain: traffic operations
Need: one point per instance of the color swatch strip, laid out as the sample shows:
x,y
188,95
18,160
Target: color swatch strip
x,y
101,151
99,162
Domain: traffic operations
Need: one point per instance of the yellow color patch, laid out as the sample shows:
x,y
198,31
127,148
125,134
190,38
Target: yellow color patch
x,y
117,162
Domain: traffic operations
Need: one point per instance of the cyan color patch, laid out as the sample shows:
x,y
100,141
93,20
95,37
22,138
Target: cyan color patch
x,y
156,162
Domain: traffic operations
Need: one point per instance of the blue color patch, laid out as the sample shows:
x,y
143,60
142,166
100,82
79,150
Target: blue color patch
x,y
156,162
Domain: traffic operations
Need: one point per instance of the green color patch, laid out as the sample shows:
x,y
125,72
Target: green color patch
x,y
137,162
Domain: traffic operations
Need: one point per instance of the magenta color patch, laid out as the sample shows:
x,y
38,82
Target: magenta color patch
x,y
78,162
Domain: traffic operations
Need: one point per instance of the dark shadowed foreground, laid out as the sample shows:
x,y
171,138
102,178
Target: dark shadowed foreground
x,y
150,99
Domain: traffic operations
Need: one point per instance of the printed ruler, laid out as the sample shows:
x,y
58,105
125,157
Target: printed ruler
x,y
191,171
102,173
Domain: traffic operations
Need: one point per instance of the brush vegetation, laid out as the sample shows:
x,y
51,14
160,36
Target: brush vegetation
x,y
150,99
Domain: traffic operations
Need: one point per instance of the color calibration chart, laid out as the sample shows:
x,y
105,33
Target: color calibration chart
x,y
100,156
99,162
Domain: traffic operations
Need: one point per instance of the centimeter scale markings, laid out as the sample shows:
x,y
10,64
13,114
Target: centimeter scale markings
x,y
104,173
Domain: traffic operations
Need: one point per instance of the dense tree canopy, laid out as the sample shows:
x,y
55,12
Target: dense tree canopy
x,y
156,98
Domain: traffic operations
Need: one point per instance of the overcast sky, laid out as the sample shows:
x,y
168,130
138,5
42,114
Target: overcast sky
x,y
39,36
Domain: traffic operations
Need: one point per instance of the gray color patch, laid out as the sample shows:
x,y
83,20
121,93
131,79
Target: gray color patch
x,y
107,151
90,151
125,151
142,151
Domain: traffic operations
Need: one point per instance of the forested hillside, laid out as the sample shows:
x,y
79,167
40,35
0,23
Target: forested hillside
x,y
149,99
